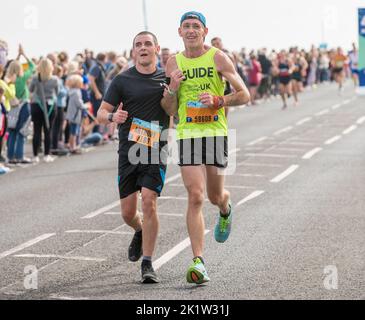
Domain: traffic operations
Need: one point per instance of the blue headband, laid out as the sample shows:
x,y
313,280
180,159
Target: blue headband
x,y
194,15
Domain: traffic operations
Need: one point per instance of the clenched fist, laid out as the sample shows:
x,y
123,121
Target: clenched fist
x,y
120,116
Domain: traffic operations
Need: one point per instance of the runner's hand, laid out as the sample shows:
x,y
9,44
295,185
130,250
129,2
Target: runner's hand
x,y
207,99
121,116
212,102
176,78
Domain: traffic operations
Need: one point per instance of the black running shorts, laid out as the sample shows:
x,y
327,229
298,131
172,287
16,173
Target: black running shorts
x,y
132,178
284,80
211,151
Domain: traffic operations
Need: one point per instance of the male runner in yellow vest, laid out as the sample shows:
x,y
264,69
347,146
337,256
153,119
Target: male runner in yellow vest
x,y
196,93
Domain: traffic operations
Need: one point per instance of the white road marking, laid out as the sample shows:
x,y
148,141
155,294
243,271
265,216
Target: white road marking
x,y
173,253
101,210
234,151
285,174
26,245
112,213
336,106
99,232
252,196
311,153
361,120
47,256
254,148
227,186
297,143
13,293
299,123
283,130
59,297
66,254
347,101
177,215
160,214
257,141
302,140
270,155
332,140
247,164
239,187
173,198
350,129
248,175
322,112
290,149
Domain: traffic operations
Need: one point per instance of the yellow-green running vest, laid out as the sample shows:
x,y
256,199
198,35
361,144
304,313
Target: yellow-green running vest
x,y
196,119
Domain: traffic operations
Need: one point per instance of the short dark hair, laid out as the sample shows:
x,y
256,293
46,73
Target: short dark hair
x,y
216,38
101,56
143,33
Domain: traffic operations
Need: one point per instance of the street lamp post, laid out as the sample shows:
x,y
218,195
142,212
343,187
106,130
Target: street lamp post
x,y
145,15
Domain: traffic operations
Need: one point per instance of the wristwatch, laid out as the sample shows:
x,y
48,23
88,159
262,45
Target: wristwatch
x,y
110,117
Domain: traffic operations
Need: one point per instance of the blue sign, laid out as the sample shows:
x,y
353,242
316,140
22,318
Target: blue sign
x,y
362,48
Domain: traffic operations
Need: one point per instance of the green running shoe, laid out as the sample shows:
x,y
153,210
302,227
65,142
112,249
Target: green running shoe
x,y
223,227
197,273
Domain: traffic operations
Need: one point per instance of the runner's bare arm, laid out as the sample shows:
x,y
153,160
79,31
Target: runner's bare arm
x,y
119,117
104,111
226,68
170,102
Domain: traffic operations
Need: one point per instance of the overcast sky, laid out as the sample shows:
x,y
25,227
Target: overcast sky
x,y
72,25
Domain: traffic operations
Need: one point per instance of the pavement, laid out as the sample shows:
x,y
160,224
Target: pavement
x,y
299,216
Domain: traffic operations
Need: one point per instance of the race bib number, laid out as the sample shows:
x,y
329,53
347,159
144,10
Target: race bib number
x,y
200,113
145,133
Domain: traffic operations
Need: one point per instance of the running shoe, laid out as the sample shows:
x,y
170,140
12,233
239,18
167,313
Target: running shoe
x,y
149,275
197,273
4,170
135,248
223,227
26,161
13,162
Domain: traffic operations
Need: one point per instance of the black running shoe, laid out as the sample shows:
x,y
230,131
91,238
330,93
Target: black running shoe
x,y
135,248
148,274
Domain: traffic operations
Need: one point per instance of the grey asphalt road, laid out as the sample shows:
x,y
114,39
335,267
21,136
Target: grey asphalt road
x,y
299,216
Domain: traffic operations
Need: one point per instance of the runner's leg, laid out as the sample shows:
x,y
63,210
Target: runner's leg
x,y
150,221
194,180
217,195
129,212
295,85
282,88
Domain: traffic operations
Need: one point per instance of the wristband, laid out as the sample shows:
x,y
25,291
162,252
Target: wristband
x,y
167,88
169,91
218,102
110,117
